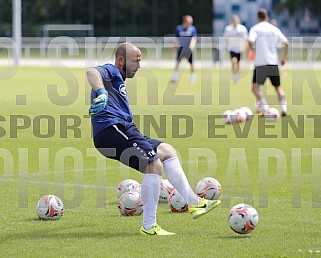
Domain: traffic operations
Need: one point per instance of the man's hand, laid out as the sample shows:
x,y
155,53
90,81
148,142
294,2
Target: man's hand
x,y
100,102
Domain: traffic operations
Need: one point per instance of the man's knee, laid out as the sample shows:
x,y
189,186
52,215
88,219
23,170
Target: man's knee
x,y
166,151
235,60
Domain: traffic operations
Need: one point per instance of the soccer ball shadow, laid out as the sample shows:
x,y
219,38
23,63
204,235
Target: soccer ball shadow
x,y
236,237
36,219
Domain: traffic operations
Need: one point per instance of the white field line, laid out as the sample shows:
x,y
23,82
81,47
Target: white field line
x,y
118,167
10,180
226,197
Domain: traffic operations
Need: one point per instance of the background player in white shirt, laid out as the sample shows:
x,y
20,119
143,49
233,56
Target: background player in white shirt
x,y
236,40
267,38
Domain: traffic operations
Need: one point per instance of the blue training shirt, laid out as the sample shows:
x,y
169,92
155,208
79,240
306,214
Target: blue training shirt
x,y
117,109
185,35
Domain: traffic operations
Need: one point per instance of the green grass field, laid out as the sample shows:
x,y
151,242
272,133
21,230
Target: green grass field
x,y
272,166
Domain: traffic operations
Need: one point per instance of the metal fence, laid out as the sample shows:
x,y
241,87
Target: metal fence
x,y
153,48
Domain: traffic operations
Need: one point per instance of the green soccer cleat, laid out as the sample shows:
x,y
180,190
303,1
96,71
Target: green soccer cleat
x,y
203,207
156,230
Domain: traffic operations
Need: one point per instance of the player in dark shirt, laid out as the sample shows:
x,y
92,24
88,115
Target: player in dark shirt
x,y
186,38
117,137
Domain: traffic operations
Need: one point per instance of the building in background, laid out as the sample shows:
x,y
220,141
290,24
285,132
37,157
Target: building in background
x,y
300,24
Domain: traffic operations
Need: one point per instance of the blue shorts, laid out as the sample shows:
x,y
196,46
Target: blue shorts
x,y
125,143
184,52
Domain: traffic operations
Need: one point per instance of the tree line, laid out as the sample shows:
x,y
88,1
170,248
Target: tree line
x,y
109,17
123,17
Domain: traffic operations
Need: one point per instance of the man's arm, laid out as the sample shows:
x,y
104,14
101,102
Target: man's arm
x,y
94,78
285,53
175,46
246,47
96,82
193,42
251,38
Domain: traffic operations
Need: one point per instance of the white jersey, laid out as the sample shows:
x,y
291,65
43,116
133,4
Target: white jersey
x,y
235,37
266,37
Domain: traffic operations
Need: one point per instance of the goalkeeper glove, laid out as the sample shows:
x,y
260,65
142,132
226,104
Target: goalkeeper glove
x,y
100,102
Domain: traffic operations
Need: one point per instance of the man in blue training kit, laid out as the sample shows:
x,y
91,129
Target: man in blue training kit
x,y
116,137
186,39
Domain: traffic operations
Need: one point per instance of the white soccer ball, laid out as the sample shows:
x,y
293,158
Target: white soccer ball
x,y
226,118
260,108
126,186
209,188
140,190
248,112
243,218
50,207
130,204
272,114
165,189
229,117
241,115
176,202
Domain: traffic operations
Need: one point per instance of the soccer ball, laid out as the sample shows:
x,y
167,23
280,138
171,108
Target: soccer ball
x,y
165,189
243,218
226,118
209,188
140,190
272,114
176,202
229,117
241,115
248,112
130,204
126,186
260,108
50,207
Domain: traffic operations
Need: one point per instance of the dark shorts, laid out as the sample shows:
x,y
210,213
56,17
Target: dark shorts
x,y
126,144
267,71
185,53
237,55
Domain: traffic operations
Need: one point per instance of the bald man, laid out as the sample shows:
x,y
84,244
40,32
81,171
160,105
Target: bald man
x,y
117,137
